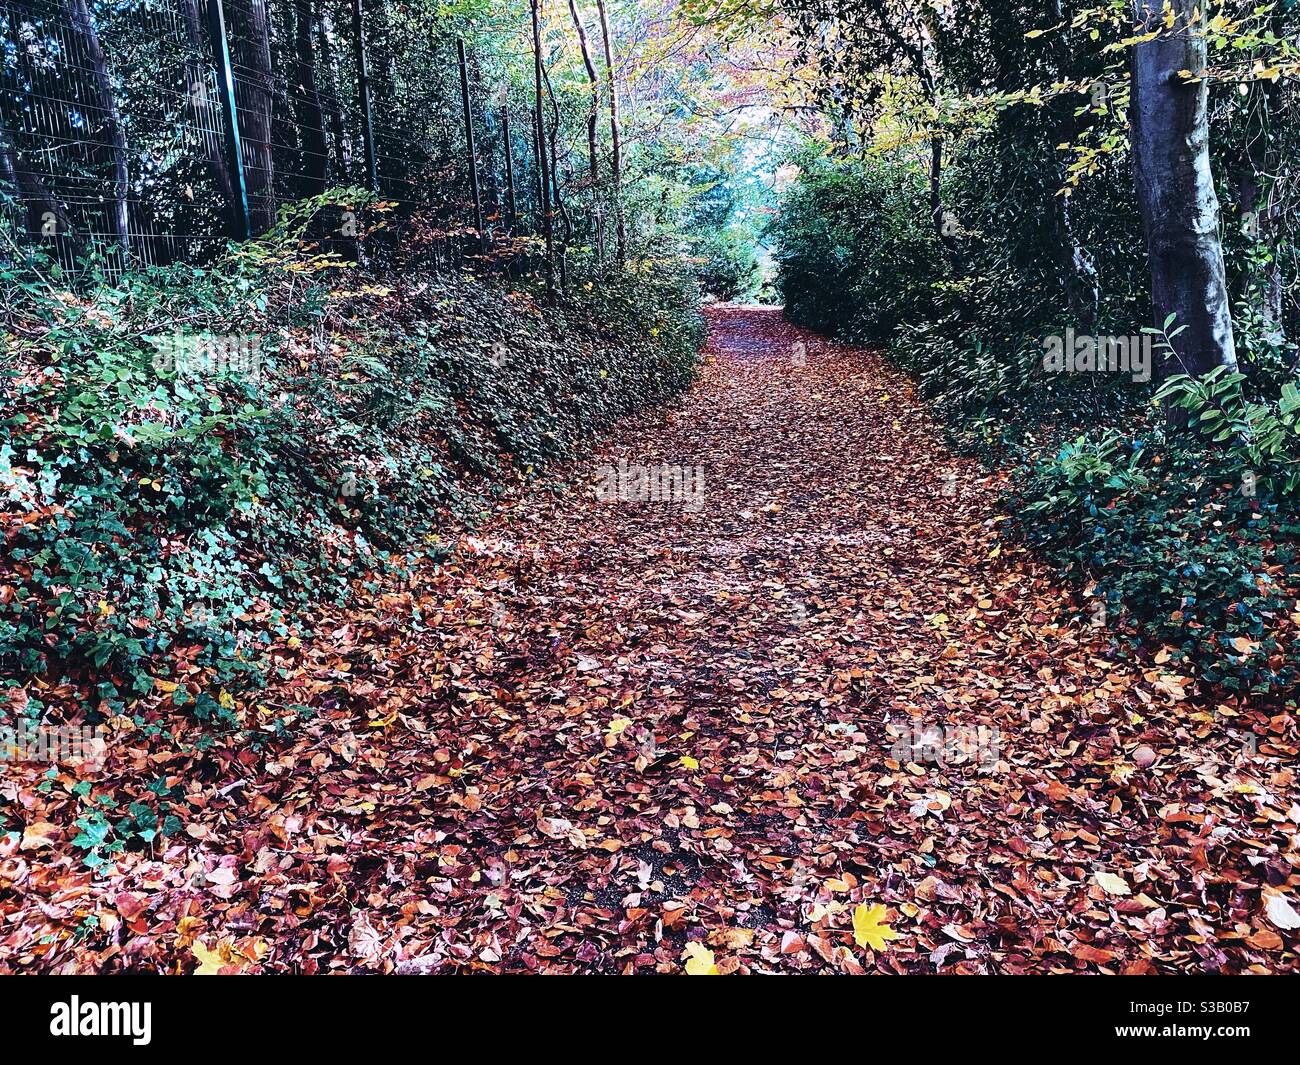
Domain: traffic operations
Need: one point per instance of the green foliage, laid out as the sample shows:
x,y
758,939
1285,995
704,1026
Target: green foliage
x,y
729,269
1262,437
191,457
1178,546
1167,534
854,255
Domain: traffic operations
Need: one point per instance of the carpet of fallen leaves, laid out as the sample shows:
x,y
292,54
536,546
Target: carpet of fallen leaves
x,y
622,737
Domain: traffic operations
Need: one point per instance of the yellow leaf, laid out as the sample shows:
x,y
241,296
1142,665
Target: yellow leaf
x,y
1112,884
210,961
687,762
617,726
868,929
700,962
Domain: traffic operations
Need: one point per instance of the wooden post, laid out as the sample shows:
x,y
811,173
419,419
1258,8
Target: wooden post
x,y
363,96
242,219
469,140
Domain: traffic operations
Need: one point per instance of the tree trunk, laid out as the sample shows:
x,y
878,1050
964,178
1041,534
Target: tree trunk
x,y
593,117
1175,192
252,52
332,102
107,121
512,205
210,123
471,150
560,208
616,134
44,216
543,164
307,105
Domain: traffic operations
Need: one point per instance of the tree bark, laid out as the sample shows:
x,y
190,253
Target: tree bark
x,y
593,117
108,122
307,105
252,51
563,248
512,205
471,150
44,216
615,133
543,164
1175,192
331,103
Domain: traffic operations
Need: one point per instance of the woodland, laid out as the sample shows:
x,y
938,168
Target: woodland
x,y
713,487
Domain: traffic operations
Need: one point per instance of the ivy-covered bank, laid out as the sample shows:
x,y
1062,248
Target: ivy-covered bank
x,y
190,458
1182,533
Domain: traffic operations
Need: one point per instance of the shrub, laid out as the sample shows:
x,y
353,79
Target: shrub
x,y
174,502
1177,546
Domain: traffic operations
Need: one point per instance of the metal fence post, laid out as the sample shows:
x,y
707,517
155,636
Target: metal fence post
x,y
230,119
363,96
469,139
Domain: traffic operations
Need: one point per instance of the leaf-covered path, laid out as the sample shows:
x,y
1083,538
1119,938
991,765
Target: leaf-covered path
x,y
611,727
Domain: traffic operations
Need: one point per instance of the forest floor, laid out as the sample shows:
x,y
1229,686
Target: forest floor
x,y
608,728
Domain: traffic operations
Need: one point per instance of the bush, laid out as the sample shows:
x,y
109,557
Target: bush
x,y
1164,532
1177,545
730,263
173,502
852,259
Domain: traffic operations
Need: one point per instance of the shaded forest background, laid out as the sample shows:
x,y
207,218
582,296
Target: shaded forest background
x,y
294,288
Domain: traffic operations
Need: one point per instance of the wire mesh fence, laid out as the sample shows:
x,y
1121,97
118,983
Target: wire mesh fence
x,y
157,129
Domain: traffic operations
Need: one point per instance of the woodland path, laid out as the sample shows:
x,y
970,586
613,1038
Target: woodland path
x,y
610,727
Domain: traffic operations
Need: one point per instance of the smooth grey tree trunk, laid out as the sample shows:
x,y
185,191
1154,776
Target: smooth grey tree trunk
x,y
1175,192
110,133
196,71
251,32
307,105
615,133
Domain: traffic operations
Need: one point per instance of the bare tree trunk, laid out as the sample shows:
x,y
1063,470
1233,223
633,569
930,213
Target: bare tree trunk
x,y
252,41
471,149
44,216
593,117
103,105
1175,191
307,106
560,208
593,81
543,164
511,204
196,73
616,134
332,102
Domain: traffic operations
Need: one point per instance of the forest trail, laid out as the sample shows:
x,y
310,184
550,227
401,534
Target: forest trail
x,y
608,726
